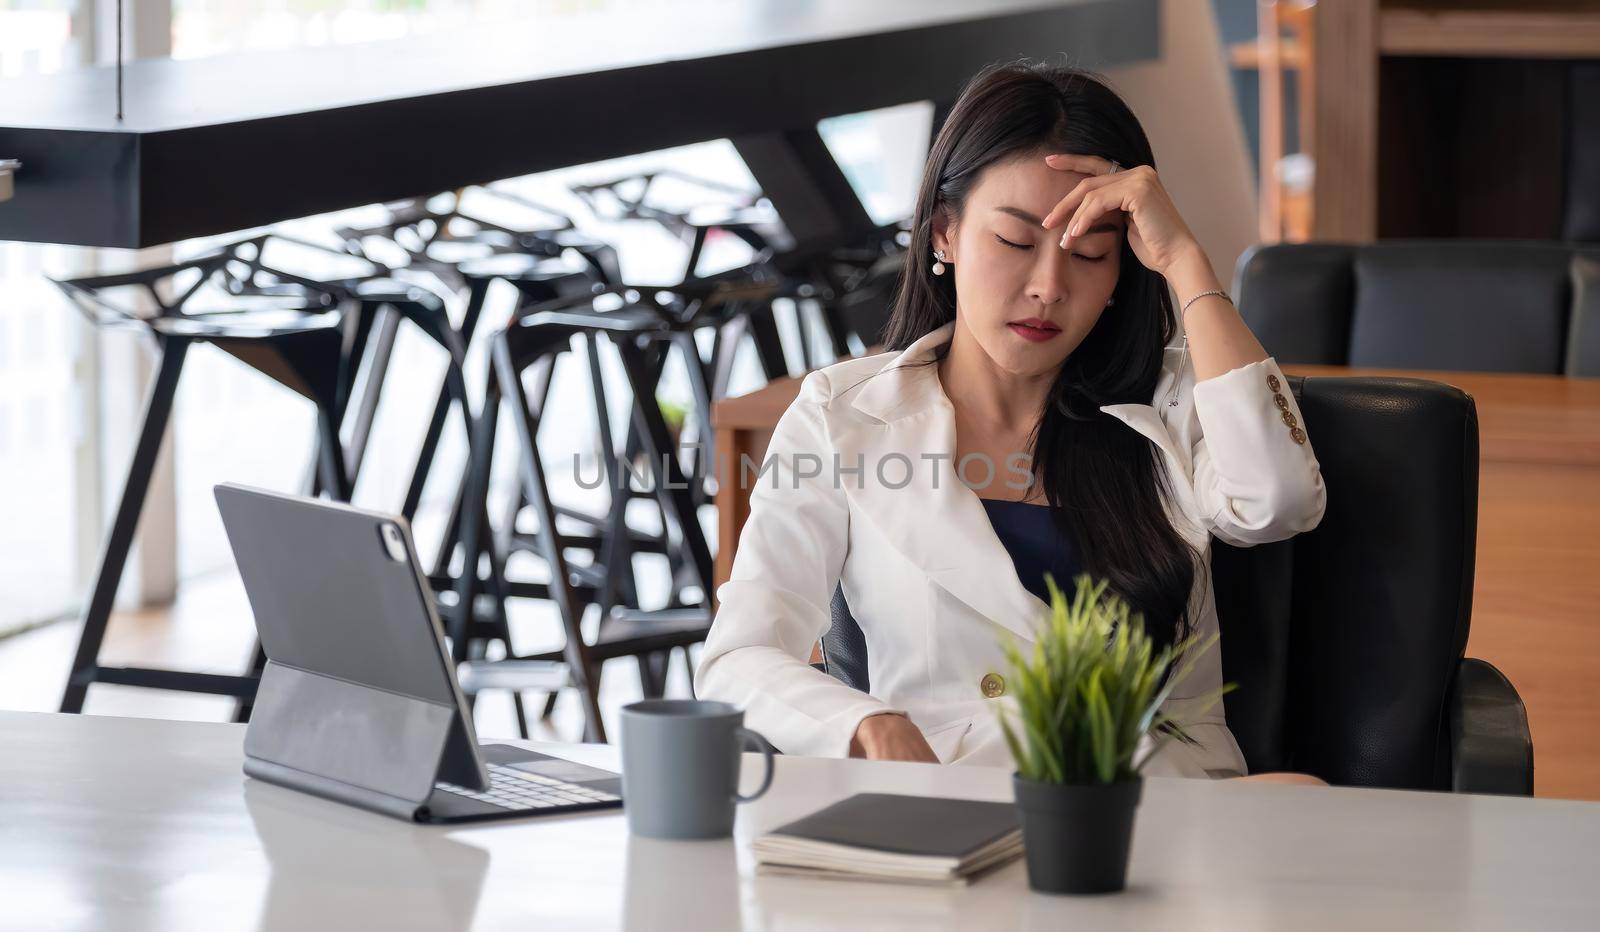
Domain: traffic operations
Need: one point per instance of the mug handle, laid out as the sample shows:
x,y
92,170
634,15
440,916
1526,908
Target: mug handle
x,y
748,737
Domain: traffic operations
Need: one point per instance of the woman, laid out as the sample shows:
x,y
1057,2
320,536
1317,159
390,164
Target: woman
x,y
1044,407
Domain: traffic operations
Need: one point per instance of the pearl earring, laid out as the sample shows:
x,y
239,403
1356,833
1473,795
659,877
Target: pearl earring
x,y
938,265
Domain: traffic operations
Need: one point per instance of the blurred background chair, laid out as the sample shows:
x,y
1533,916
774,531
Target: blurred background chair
x,y
448,263
535,342
326,339
1347,642
547,547
645,328
1464,305
295,336
826,277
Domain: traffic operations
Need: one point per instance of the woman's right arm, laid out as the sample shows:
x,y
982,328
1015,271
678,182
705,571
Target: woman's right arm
x,y
776,602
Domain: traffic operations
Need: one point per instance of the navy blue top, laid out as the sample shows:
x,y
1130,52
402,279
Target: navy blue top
x,y
1036,545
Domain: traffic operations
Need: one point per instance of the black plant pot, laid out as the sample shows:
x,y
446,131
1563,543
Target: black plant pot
x,y
1077,836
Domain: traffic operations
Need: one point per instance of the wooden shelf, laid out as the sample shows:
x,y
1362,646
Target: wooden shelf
x,y
1535,31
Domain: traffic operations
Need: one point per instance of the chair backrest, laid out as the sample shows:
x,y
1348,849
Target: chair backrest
x,y
1343,641
1465,305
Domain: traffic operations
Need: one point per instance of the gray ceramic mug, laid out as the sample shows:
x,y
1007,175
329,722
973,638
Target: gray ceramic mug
x,y
680,767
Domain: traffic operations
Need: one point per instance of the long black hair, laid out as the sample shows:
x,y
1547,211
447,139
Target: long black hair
x,y
1103,481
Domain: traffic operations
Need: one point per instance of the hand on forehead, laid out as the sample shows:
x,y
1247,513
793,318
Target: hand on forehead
x,y
1028,188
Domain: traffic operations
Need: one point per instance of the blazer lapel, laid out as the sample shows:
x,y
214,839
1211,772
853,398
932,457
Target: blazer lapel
x,y
1145,420
1150,421
910,491
934,519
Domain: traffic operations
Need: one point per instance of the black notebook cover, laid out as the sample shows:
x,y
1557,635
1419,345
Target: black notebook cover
x,y
919,825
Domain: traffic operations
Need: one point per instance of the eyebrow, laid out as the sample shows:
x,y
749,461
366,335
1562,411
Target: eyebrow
x,y
1021,214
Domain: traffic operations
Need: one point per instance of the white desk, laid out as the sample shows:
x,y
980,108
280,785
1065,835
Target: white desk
x,y
112,824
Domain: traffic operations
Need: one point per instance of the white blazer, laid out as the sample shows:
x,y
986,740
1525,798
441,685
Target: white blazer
x,y
927,579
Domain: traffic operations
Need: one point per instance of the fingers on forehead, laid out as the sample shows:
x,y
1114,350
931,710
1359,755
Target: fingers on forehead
x,y
1088,164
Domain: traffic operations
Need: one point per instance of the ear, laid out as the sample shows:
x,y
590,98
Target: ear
x,y
943,233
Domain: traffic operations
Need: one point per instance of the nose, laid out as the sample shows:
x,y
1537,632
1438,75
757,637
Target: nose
x,y
1048,279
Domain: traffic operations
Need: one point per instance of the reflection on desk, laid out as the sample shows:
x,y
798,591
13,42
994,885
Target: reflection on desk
x,y
307,841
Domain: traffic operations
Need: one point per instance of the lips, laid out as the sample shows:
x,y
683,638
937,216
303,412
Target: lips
x,y
1032,328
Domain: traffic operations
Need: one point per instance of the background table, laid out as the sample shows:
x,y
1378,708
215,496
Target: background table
x,y
112,824
1536,593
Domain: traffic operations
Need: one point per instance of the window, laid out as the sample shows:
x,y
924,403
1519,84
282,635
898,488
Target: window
x,y
46,361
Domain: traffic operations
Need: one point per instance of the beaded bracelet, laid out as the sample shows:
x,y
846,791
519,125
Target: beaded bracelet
x,y
1223,294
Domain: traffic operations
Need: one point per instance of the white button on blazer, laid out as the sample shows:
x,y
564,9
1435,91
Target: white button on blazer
x,y
858,489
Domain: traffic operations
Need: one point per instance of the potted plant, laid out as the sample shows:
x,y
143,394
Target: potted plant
x,y
1086,695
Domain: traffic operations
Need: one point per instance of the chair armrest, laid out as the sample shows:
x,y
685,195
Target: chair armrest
x,y
1491,750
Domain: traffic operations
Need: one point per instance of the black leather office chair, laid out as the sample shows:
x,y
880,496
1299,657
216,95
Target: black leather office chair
x,y
1347,642
1465,305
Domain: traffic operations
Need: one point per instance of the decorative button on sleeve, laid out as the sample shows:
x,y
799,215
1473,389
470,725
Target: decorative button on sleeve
x,y
1289,421
992,685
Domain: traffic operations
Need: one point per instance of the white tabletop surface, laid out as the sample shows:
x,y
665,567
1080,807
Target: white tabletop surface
x,y
110,823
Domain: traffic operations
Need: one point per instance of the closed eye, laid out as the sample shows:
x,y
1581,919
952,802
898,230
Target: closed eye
x,y
1078,255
